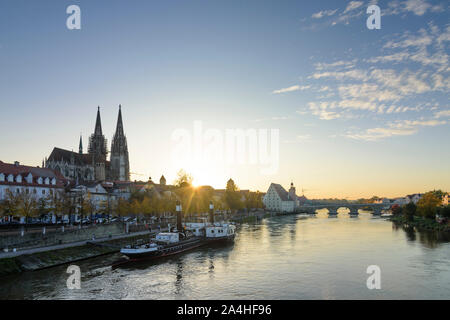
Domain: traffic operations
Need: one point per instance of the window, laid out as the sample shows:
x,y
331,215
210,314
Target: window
x,y
43,191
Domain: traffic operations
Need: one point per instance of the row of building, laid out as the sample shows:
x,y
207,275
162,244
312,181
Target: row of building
x,y
42,183
411,198
279,200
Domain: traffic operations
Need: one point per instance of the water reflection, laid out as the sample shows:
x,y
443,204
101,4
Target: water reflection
x,y
290,257
179,278
428,238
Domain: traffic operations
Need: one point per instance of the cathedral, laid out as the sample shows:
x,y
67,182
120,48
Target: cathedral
x,y
93,165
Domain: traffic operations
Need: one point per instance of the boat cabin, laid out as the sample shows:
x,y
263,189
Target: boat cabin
x,y
168,237
219,231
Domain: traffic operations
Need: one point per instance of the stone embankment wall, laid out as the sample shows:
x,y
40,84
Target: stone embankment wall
x,y
48,259
36,237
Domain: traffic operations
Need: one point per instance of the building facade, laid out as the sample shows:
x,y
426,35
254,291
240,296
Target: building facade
x,y
35,182
279,200
93,165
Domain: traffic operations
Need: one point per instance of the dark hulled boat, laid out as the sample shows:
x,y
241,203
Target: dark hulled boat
x,y
164,244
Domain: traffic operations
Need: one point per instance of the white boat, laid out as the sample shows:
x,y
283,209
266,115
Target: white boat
x,y
216,231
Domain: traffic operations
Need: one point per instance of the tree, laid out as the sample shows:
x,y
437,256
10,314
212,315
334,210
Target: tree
x,y
439,194
409,210
11,204
123,207
20,204
2,208
253,200
444,211
88,206
427,205
42,207
232,196
396,210
183,179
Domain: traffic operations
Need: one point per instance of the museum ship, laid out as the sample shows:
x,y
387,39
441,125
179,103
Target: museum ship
x,y
165,243
212,231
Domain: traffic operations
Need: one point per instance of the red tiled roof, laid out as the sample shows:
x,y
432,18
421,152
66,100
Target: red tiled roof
x,y
7,169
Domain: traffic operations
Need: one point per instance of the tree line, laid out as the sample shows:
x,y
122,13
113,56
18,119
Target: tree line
x,y
428,206
150,202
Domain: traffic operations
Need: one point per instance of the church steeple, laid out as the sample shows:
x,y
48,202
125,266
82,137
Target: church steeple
x,y
80,148
98,124
119,127
120,166
98,149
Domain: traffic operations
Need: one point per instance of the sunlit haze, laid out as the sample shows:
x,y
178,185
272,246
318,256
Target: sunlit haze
x,y
359,112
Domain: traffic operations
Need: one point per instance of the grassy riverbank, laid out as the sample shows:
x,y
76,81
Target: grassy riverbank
x,y
421,223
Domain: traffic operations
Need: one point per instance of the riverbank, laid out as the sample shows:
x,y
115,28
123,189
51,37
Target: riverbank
x,y
51,258
421,224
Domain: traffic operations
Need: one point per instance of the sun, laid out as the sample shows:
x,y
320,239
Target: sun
x,y
206,175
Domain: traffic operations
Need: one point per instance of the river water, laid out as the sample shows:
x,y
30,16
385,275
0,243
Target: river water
x,y
288,257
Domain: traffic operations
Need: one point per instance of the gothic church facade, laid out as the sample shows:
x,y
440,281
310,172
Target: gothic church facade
x,y
93,165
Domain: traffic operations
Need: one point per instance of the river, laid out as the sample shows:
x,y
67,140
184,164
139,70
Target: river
x,y
287,257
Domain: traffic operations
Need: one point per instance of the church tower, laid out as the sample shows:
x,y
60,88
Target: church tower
x,y
98,150
293,195
120,166
80,147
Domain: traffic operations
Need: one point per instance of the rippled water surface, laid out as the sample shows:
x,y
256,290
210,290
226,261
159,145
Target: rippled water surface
x,y
287,257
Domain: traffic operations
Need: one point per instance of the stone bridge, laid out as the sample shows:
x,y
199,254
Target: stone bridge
x,y
353,207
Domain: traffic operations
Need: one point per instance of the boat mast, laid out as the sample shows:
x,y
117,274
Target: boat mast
x,y
178,209
211,212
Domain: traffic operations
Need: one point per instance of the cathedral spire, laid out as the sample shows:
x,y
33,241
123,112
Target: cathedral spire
x,y
98,124
80,148
120,166
119,127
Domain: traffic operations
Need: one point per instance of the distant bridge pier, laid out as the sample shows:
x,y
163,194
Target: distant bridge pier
x,y
332,211
353,211
377,211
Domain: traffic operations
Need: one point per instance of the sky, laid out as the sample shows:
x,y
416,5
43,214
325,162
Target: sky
x,y
355,112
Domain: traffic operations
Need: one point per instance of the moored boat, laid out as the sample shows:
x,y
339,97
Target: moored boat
x,y
213,231
165,243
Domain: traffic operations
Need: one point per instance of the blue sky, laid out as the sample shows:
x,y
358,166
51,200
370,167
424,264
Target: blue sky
x,y
360,112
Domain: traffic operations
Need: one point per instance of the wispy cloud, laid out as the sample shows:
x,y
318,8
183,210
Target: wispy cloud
x,y
291,89
442,114
417,7
355,9
324,13
401,128
352,5
395,82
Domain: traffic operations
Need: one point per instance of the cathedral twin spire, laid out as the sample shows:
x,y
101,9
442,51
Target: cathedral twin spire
x,y
119,164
